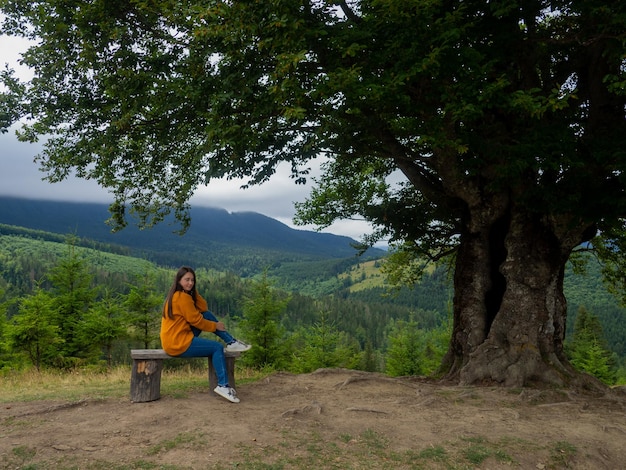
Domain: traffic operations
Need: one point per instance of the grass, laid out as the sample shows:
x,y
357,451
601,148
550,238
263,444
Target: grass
x,y
562,453
180,439
33,385
370,450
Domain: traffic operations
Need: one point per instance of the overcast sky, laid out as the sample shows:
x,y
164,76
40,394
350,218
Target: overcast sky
x,y
20,176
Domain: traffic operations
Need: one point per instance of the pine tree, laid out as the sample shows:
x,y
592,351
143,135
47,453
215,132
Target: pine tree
x,y
415,351
144,305
588,350
405,352
4,349
33,331
323,345
369,359
73,296
102,325
261,326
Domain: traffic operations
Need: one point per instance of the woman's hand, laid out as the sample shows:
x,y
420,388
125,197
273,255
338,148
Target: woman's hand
x,y
219,326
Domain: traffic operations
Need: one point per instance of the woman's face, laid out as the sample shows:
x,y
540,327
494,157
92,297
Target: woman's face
x,y
187,282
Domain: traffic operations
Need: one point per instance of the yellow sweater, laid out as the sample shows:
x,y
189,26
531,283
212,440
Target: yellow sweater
x,y
176,334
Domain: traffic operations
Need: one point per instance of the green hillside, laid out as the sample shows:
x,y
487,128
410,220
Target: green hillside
x,y
243,242
350,292
349,278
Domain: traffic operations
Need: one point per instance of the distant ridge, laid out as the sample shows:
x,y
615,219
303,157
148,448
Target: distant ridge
x,y
212,230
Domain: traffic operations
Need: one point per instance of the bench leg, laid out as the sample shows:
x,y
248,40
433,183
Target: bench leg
x,y
230,370
145,380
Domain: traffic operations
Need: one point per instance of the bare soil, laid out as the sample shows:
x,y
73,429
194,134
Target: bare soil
x,y
332,418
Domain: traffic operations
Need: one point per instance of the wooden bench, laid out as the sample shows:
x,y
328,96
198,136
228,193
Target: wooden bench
x,y
145,379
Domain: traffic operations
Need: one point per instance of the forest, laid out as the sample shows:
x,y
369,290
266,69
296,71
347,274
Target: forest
x,y
68,303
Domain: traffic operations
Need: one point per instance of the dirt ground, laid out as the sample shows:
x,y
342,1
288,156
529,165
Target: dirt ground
x,y
332,418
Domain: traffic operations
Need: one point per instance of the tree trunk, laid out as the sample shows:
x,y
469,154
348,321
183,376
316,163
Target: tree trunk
x,y
509,307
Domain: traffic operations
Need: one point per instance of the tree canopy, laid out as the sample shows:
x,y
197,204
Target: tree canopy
x,y
503,120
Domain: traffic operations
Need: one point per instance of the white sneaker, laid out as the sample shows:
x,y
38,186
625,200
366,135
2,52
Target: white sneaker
x,y
237,346
227,392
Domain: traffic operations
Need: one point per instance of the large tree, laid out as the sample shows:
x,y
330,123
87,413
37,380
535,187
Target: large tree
x,y
503,120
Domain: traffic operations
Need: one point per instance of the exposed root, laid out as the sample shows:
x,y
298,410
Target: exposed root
x,y
369,410
50,409
314,407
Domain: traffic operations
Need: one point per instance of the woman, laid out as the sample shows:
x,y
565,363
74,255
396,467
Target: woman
x,y
185,315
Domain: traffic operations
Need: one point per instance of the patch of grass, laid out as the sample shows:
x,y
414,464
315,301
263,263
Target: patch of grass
x,y
518,443
373,441
476,454
345,438
365,275
434,453
33,385
561,454
104,465
371,450
502,456
19,457
23,453
180,440
305,450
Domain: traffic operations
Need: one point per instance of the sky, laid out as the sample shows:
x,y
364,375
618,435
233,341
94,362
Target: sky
x,y
21,177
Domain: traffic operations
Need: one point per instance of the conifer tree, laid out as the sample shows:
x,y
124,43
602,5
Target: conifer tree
x,y
415,351
33,330
588,350
404,353
323,345
143,305
103,324
4,350
261,326
73,296
369,358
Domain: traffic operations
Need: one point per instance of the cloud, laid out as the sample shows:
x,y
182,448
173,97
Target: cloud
x,y
20,176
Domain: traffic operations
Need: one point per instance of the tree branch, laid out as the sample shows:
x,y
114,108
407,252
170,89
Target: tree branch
x,y
349,12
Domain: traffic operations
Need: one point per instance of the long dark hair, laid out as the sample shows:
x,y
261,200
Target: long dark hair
x,y
167,307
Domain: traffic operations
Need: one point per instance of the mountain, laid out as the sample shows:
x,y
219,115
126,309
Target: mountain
x,y
216,237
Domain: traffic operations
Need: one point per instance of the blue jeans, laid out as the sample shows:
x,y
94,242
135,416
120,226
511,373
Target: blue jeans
x,y
203,347
223,335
